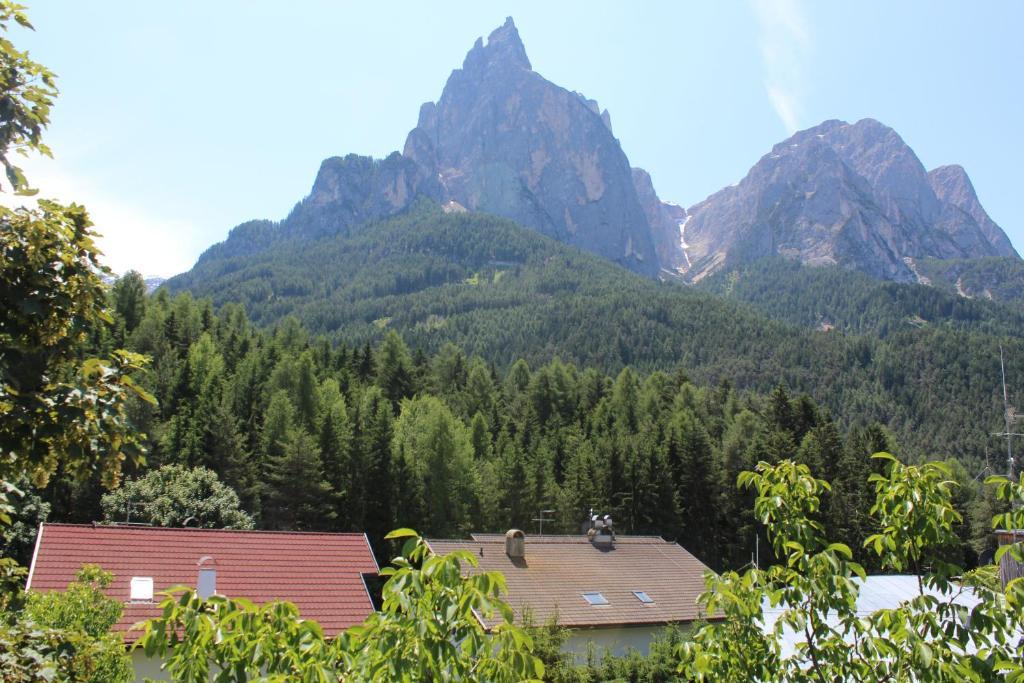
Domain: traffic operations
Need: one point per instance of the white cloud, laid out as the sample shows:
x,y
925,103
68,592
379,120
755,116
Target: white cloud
x,y
784,42
131,237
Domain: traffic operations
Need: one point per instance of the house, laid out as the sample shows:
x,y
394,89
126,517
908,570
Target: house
x,y
875,593
323,574
616,592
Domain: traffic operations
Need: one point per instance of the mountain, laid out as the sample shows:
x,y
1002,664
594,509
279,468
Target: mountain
x,y
503,140
854,195
503,292
837,299
952,187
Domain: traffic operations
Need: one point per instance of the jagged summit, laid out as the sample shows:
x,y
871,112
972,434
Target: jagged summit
x,y
504,48
504,140
855,195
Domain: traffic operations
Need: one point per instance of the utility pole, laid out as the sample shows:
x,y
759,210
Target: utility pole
x,y
1009,417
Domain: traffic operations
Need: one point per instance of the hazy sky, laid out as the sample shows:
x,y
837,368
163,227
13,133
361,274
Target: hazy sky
x,y
178,120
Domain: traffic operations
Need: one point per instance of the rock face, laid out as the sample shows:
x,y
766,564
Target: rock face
x,y
853,195
667,221
354,189
955,190
504,140
501,139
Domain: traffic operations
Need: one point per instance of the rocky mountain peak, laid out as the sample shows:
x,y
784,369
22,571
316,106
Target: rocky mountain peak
x,y
504,49
855,195
953,187
503,139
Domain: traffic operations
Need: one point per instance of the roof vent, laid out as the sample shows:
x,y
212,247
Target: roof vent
x,y
600,531
206,586
141,589
515,544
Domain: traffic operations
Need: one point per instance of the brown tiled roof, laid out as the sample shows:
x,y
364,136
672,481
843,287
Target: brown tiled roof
x,y
556,570
321,573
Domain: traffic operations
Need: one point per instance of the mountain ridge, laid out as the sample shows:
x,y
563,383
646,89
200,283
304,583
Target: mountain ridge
x,y
501,139
854,195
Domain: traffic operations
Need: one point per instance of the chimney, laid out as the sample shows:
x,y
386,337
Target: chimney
x,y
600,532
515,544
206,585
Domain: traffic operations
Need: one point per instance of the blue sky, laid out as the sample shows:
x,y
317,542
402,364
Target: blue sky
x,y
179,120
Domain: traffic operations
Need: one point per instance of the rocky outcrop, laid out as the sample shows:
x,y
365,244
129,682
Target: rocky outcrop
x,y
853,195
354,189
667,221
504,140
952,187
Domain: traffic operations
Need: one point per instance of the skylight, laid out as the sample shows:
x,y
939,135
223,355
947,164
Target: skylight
x,y
644,597
595,598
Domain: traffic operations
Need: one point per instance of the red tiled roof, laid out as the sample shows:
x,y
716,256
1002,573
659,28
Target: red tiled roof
x,y
321,573
556,570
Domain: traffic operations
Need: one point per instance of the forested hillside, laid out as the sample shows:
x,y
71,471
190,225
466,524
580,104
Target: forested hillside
x,y
505,293
834,298
372,438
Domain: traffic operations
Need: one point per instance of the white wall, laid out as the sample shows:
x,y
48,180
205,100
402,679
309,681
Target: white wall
x,y
147,668
615,640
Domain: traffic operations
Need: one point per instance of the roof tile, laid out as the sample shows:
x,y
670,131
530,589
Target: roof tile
x,y
320,572
557,570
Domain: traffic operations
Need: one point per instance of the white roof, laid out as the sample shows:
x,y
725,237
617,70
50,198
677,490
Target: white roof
x,y
876,592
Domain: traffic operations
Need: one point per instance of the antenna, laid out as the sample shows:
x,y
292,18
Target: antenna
x,y
1009,417
540,519
128,507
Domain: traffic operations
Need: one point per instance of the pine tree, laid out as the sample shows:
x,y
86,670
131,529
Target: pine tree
x,y
374,504
335,449
435,446
394,369
297,497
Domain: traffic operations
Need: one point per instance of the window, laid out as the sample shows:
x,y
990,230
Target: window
x,y
644,597
595,598
141,589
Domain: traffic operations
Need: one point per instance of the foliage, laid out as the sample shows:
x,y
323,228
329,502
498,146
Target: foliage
x,y
28,510
54,407
174,495
28,90
65,635
309,438
841,300
429,628
931,637
659,665
895,349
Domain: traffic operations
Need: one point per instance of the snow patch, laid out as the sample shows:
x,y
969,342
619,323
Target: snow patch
x,y
683,245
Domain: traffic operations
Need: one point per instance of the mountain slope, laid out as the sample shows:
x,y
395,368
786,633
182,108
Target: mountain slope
x,y
504,140
503,292
501,139
850,195
841,300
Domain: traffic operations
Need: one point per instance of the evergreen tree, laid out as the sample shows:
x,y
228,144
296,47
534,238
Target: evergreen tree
x,y
336,440
436,450
297,497
375,502
129,297
394,369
